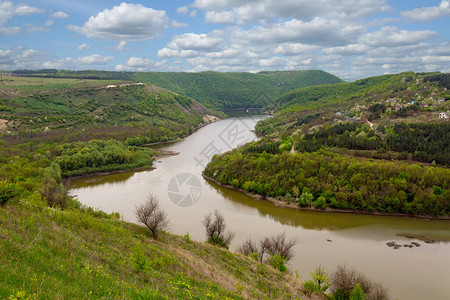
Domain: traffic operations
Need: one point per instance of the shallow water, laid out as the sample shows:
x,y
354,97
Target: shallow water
x,y
356,240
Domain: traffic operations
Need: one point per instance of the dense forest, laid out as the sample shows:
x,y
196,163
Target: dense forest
x,y
324,179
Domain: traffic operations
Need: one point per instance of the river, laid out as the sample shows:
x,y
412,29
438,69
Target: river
x,y
326,239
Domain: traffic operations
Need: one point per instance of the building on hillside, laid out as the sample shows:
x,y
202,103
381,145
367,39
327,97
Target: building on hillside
x,y
443,115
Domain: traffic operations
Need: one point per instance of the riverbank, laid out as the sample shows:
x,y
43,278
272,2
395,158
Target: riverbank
x,y
282,203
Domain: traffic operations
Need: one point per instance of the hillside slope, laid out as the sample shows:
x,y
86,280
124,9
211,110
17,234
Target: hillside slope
x,y
217,90
73,109
236,90
49,253
357,146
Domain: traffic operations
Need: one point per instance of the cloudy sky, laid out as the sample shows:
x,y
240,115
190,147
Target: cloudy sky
x,y
349,38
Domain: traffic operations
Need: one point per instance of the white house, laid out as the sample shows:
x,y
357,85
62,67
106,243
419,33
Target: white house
x,y
443,115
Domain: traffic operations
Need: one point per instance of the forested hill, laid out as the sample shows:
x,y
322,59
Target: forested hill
x,y
236,90
216,90
379,144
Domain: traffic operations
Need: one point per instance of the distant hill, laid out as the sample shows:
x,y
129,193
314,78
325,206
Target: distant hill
x,y
216,90
81,109
236,90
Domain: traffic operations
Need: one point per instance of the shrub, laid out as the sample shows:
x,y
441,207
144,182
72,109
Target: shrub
x,y
216,232
309,288
278,262
321,279
152,216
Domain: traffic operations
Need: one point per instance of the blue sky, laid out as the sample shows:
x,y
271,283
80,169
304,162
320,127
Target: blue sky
x,y
349,38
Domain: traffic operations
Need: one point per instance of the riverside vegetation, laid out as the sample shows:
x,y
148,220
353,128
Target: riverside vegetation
x,y
320,150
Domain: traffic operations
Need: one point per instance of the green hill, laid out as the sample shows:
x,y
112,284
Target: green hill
x,y
213,89
236,90
81,109
49,253
356,146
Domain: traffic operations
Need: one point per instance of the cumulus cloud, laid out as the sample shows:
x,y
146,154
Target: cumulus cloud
x,y
60,15
318,31
126,22
83,47
49,22
140,64
294,49
183,10
8,10
237,11
392,36
120,47
94,59
350,49
428,13
177,24
19,58
193,41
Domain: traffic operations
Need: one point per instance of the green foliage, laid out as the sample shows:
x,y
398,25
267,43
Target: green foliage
x,y
310,288
344,182
79,158
278,262
235,90
358,293
321,279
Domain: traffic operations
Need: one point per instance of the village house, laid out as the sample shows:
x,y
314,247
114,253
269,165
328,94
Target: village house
x,y
443,115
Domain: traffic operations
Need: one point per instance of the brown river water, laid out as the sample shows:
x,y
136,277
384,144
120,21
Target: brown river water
x,y
324,238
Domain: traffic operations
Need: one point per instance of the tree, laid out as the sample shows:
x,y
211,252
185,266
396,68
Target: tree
x,y
321,278
216,232
277,244
152,216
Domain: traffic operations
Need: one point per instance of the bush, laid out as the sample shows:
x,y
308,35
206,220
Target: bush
x,y
278,262
215,227
310,288
344,281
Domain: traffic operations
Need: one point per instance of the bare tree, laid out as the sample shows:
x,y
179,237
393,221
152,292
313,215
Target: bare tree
x,y
278,244
248,248
269,246
152,215
215,227
344,280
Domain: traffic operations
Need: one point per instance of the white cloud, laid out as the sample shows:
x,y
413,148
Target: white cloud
x,y
120,47
94,59
140,65
168,53
392,36
193,13
183,10
126,22
49,22
318,31
83,47
241,11
177,24
19,58
294,49
193,41
8,10
350,49
60,15
428,13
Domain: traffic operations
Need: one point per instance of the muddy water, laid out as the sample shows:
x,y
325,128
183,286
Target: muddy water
x,y
328,239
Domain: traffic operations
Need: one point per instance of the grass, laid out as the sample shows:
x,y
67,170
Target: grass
x,y
27,84
48,253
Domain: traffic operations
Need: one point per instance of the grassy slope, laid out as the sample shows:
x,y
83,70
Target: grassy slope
x,y
236,90
47,253
31,104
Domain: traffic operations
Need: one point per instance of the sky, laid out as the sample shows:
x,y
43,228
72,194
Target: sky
x,y
349,38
